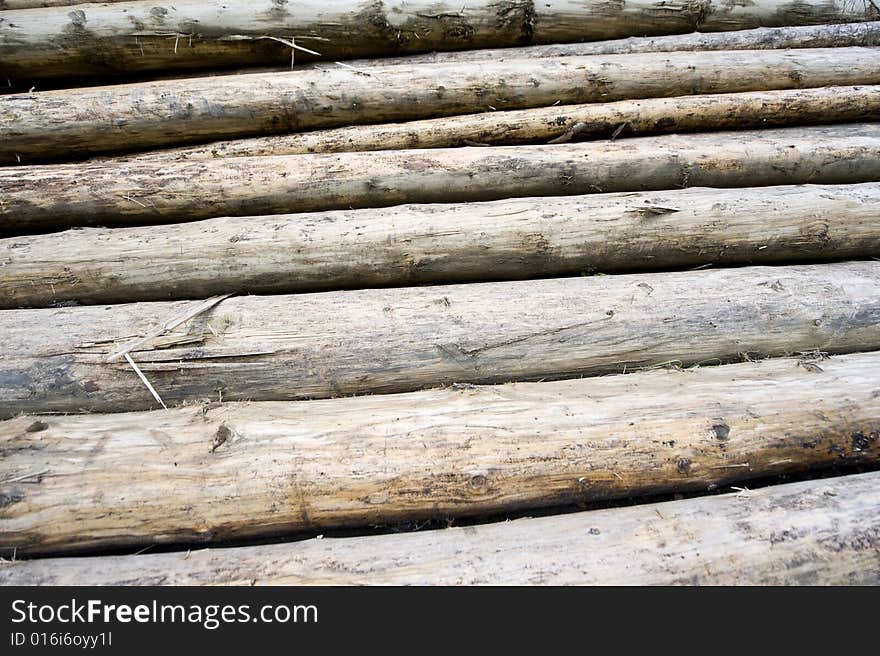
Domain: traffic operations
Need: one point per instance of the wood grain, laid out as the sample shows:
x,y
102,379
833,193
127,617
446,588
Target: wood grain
x,y
621,119
417,244
821,532
835,35
80,122
128,37
46,198
247,470
396,340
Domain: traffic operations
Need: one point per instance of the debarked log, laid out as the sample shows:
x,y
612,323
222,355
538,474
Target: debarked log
x,y
49,197
819,532
560,124
81,122
33,4
209,475
835,35
130,37
417,244
73,359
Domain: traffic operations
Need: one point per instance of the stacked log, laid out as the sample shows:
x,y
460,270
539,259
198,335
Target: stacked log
x,y
42,198
442,243
837,35
127,37
401,339
518,257
821,532
79,122
560,124
299,467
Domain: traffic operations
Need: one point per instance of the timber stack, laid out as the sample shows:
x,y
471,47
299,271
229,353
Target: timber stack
x,y
274,271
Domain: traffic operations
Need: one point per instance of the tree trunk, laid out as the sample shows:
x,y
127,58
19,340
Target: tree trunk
x,y
419,244
42,198
403,339
625,118
820,532
128,480
80,122
124,38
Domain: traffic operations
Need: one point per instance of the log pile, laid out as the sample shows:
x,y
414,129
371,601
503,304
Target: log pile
x,y
296,270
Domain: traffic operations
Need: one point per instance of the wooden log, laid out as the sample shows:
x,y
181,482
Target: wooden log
x,y
419,244
143,36
837,35
6,5
43,198
79,122
625,118
819,532
128,480
396,340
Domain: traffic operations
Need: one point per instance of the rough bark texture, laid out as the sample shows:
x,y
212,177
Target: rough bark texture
x,y
79,122
404,339
822,532
42,198
419,244
198,475
626,118
142,36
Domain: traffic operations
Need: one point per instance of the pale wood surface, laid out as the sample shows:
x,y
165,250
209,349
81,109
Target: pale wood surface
x,y
91,39
820,532
80,122
262,469
621,119
417,244
806,36
48,197
836,35
403,339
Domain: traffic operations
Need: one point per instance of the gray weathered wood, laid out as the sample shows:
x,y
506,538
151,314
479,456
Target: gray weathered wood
x,y
43,198
248,470
416,244
821,532
79,122
121,38
834,35
6,5
404,339
621,119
